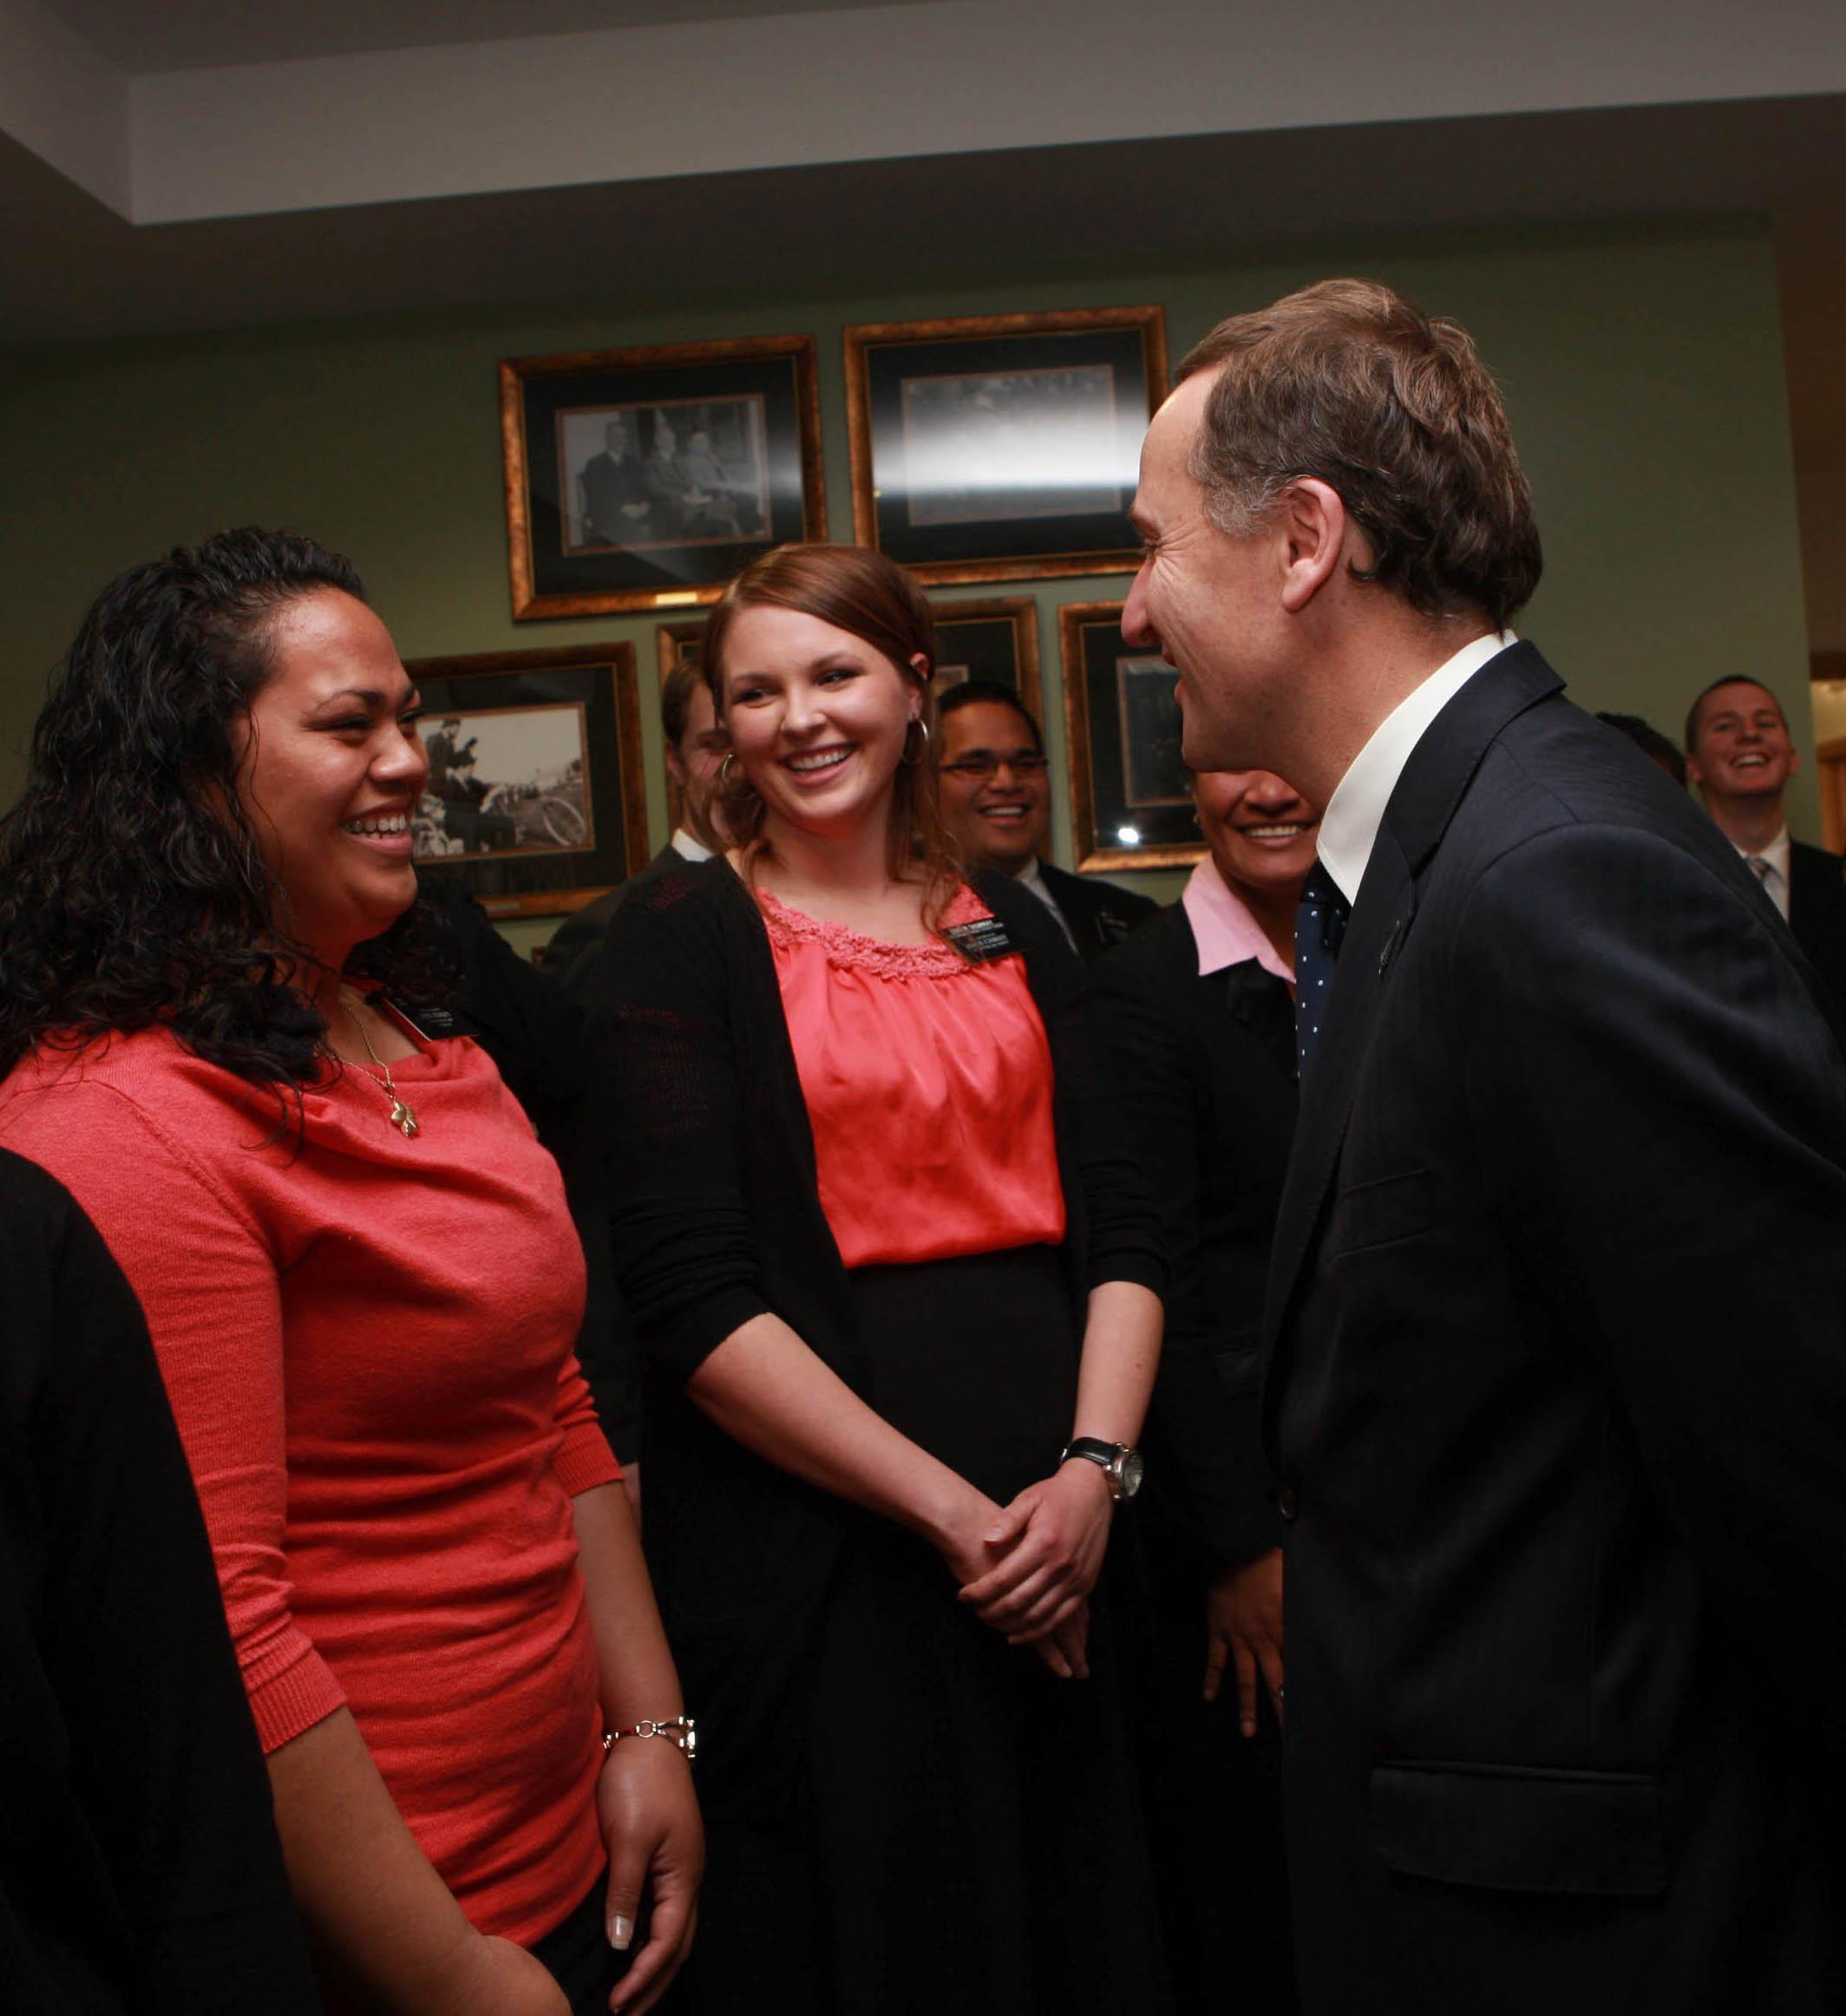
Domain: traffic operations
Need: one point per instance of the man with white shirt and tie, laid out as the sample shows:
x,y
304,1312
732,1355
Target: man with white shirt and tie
x,y
1556,1390
1739,754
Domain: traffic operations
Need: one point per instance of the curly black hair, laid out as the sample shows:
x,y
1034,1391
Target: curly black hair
x,y
133,890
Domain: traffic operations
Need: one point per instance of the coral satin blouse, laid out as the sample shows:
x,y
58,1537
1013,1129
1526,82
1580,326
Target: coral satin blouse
x,y
928,1085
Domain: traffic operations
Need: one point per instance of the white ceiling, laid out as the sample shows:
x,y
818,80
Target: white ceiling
x,y
148,40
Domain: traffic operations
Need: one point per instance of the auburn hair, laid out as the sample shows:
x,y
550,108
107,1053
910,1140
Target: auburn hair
x,y
874,599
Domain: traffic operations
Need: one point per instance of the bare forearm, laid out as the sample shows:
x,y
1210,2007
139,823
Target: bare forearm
x,y
636,1672
381,1920
1121,1356
764,1387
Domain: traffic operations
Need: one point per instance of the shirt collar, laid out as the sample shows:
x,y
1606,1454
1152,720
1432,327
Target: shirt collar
x,y
686,847
1029,877
1226,933
1349,827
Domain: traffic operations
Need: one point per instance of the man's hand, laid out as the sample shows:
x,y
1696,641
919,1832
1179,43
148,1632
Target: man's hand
x,y
1049,1542
1243,1619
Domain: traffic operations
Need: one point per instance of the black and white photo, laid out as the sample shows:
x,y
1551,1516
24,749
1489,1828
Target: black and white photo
x,y
644,479
1004,446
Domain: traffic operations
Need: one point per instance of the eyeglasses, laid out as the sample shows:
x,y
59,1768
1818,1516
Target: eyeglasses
x,y
1029,762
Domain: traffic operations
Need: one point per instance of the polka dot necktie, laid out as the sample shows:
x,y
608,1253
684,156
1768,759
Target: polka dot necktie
x,y
1759,866
1320,924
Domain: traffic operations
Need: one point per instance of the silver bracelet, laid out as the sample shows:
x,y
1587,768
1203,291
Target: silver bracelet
x,y
682,1733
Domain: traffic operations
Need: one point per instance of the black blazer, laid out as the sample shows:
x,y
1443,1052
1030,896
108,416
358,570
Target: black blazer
x,y
1205,1071
1100,914
139,1864
1558,1402
1817,913
716,1218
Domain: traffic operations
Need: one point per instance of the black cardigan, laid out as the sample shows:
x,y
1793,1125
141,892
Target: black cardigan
x,y
139,1863
716,1218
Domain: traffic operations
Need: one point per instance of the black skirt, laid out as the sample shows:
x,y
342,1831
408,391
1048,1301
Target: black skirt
x,y
970,1837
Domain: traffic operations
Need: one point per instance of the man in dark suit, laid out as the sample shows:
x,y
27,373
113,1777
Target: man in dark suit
x,y
1557,1313
1200,1016
696,748
1741,755
997,799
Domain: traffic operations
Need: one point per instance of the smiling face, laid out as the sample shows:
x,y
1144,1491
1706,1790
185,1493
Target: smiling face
x,y
1208,603
995,795
1741,747
1260,829
330,766
817,719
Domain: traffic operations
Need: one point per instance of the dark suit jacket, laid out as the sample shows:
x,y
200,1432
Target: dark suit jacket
x,y
1817,913
1205,1072
1099,913
1558,1402
139,1864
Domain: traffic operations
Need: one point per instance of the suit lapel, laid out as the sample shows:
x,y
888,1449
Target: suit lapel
x,y
1424,800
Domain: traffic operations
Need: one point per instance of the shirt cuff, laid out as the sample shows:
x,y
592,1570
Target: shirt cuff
x,y
288,1702
584,1460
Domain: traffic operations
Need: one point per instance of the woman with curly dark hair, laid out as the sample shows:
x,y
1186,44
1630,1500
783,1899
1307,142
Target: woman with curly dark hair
x,y
362,1285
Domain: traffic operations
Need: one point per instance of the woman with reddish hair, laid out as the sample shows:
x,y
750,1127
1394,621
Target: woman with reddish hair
x,y
899,1289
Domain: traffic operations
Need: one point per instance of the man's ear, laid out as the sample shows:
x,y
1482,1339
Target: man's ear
x,y
1312,524
675,768
1694,774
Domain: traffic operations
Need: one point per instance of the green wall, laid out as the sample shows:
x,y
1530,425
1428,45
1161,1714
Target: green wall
x,y
1644,372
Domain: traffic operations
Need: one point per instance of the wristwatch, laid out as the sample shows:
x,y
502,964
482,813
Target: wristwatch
x,y
1123,1466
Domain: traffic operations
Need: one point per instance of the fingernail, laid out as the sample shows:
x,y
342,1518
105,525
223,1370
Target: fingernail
x,y
621,1930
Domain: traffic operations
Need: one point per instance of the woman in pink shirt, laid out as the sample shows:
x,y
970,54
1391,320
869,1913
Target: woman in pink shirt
x,y
363,1288
900,1289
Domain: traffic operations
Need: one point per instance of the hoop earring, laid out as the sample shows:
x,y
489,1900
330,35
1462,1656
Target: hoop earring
x,y
917,721
727,782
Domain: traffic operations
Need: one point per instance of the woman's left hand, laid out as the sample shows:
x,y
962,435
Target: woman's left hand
x,y
1053,1536
650,1827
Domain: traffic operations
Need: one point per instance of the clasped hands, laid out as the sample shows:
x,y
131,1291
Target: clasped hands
x,y
1027,1568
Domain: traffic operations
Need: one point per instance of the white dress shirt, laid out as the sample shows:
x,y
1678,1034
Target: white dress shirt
x,y
1029,877
1775,877
1349,827
686,847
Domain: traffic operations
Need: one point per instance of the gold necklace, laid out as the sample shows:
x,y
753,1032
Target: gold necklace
x,y
401,1117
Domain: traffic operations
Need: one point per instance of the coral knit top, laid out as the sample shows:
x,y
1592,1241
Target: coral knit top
x,y
367,1341
927,1079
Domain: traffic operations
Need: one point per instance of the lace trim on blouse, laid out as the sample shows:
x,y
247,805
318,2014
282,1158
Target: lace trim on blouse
x,y
849,948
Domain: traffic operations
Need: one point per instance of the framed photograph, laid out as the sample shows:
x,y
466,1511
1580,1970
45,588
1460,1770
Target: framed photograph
x,y
1002,448
644,479
1130,805
535,799
997,641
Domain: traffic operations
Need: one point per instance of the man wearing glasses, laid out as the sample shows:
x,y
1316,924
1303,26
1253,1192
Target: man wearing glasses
x,y
997,802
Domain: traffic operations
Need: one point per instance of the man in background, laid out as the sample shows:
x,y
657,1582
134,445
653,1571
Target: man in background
x,y
1741,755
696,748
997,799
1556,1389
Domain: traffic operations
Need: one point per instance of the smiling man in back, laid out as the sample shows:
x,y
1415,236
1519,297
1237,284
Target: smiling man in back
x,y
997,799
1741,755
1557,1313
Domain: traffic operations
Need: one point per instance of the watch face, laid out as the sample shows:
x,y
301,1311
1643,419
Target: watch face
x,y
1131,1467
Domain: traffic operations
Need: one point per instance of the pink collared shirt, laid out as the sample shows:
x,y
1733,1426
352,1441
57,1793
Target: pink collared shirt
x,y
1225,932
